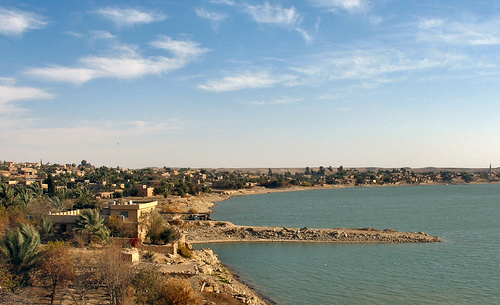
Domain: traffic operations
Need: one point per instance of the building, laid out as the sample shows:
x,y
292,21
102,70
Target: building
x,y
144,191
129,212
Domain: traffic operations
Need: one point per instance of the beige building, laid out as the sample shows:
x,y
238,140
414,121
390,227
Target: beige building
x,y
129,213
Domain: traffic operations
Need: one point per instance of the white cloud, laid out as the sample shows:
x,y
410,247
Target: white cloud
x,y
348,5
14,22
273,14
372,67
180,48
245,81
486,33
130,16
10,94
216,17
126,64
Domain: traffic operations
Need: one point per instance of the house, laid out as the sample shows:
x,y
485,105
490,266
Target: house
x,y
144,191
129,213
105,195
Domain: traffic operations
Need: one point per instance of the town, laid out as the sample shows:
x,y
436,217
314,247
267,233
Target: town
x,y
69,233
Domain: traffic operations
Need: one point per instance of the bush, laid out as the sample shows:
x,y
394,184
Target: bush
x,y
148,256
184,251
169,235
153,287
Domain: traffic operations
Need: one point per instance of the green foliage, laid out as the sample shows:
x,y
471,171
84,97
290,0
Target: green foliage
x,y
19,249
155,225
169,235
7,195
91,224
45,227
148,256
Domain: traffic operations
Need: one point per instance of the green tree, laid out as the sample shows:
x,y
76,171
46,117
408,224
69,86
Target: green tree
x,y
46,227
19,248
91,225
7,195
25,197
154,224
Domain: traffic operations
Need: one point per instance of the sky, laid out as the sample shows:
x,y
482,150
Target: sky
x,y
226,83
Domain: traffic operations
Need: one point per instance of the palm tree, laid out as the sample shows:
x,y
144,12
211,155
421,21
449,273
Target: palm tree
x,y
7,195
19,248
37,190
57,204
25,197
91,224
46,227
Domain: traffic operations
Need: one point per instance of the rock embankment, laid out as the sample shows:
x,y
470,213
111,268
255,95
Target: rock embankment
x,y
208,232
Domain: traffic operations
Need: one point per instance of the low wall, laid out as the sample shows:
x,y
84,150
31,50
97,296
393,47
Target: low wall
x,y
163,249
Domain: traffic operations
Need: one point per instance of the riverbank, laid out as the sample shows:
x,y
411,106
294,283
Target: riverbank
x,y
207,232
213,231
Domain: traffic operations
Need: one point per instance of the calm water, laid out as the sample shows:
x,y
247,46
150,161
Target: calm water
x,y
464,269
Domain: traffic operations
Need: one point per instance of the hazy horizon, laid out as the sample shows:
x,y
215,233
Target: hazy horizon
x,y
251,84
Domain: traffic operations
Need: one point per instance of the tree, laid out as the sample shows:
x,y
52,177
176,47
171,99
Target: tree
x,y
50,183
91,224
115,274
7,195
25,197
155,225
56,268
19,248
46,227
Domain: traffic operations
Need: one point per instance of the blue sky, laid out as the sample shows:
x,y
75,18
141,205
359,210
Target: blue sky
x,y
225,83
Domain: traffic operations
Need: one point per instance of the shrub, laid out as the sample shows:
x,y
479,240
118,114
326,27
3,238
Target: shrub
x,y
169,235
184,251
148,256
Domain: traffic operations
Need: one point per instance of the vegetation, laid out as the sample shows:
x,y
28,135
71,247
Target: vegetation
x,y
29,191
19,249
91,225
153,287
55,269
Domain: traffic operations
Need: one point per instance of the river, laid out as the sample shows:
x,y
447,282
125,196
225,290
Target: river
x,y
463,269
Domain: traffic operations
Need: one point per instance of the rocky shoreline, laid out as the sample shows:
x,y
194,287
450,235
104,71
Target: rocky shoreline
x,y
216,231
223,286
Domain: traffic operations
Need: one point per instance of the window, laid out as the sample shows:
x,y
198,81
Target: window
x,y
124,214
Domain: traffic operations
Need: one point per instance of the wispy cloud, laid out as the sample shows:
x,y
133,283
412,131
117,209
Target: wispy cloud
x,y
10,94
348,5
126,64
213,16
277,15
485,33
247,80
16,22
180,48
129,16
370,68
273,14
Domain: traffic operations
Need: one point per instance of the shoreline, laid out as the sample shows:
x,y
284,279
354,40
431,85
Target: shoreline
x,y
220,228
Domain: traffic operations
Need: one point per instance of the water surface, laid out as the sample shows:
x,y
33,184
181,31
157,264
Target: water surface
x,y
464,269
